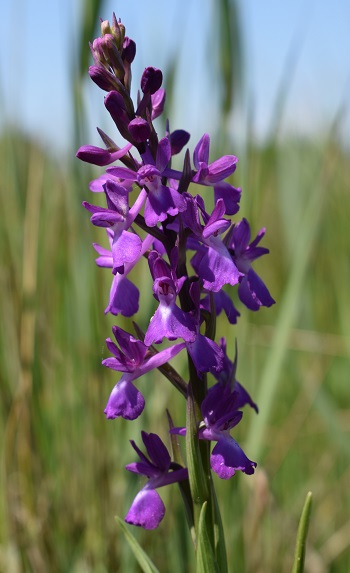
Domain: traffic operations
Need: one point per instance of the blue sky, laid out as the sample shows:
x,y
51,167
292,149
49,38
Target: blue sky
x,y
38,43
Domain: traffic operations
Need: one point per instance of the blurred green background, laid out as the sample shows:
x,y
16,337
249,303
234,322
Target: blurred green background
x,y
62,479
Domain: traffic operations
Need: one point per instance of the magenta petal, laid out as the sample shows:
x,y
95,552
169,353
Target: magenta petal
x,y
161,357
163,154
123,298
216,267
215,227
158,101
147,510
126,248
227,457
157,451
253,292
230,195
178,140
122,173
201,151
207,356
241,236
125,401
105,259
96,185
170,322
161,202
221,168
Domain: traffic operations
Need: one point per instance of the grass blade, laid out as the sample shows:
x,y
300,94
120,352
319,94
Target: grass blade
x,y
142,558
299,558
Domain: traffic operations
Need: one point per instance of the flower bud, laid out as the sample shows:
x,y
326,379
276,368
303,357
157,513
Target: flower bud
x,y
105,28
97,51
112,55
129,50
103,78
115,104
94,155
118,31
151,80
139,129
178,139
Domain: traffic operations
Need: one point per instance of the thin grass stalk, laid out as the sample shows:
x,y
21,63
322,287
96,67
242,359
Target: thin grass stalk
x,y
18,432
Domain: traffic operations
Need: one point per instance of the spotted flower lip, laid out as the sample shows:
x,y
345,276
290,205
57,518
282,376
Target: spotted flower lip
x,y
147,510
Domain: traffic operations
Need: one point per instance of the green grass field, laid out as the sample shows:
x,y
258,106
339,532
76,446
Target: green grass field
x,y
62,479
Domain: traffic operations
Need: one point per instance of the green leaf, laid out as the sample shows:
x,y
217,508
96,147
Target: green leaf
x,y
142,558
205,556
220,545
299,557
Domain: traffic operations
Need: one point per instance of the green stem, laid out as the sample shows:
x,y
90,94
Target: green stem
x,y
198,458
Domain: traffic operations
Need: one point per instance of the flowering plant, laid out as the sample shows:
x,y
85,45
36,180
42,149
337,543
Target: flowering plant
x,y
154,214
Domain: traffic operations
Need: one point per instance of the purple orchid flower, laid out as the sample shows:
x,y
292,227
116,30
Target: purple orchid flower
x,y
169,321
252,291
147,510
133,358
124,295
209,174
126,246
207,356
227,377
220,414
212,261
220,411
161,200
